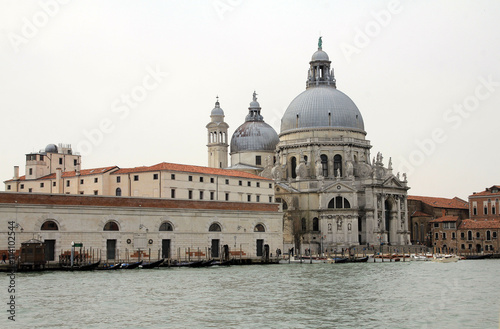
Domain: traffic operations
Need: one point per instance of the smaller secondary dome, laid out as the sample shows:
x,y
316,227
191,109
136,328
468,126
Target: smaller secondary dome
x,y
217,110
51,148
320,55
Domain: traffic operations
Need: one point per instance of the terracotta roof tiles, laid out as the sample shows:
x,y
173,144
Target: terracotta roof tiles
x,y
444,219
478,224
420,214
455,203
189,169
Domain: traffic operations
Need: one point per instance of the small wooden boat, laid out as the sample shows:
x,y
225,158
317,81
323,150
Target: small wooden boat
x,y
338,260
357,260
153,264
205,263
222,263
131,266
110,267
445,259
478,256
184,264
86,267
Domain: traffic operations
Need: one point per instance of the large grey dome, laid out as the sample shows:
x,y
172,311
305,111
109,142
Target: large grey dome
x,y
322,106
254,136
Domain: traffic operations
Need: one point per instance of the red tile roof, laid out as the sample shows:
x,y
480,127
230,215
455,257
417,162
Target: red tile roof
x,y
488,191
477,224
66,174
189,169
444,219
455,203
420,214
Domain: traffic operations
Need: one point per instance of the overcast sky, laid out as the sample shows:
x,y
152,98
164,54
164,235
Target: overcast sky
x,y
132,83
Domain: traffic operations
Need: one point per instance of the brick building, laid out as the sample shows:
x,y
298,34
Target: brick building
x,y
485,204
423,210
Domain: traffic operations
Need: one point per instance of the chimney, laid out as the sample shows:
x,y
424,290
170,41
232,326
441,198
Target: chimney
x,y
443,212
16,172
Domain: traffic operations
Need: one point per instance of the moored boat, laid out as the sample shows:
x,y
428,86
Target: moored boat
x,y
131,266
153,264
86,267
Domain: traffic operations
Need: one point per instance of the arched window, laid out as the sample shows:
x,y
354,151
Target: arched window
x,y
469,235
331,204
111,226
215,228
118,192
259,228
293,161
415,234
338,202
324,165
337,165
315,224
49,225
478,235
283,203
166,226
488,235
346,203
303,224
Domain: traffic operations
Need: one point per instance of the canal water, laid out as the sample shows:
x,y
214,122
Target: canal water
x,y
465,294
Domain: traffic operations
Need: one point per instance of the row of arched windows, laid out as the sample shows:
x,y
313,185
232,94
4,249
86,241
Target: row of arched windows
x,y
51,225
337,166
214,137
337,202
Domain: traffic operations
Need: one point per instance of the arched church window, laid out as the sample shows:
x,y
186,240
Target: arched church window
x,y
331,204
346,203
324,165
293,161
118,192
111,226
315,224
215,228
166,226
305,159
49,225
259,228
337,165
338,202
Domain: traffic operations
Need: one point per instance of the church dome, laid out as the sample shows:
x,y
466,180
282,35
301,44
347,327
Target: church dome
x,y
320,55
51,148
254,134
322,106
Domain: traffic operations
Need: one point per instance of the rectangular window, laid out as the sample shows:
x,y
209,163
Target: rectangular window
x,y
74,162
453,236
81,192
436,224
270,185
118,179
172,193
190,178
53,183
258,160
31,171
8,187
41,157
474,211
493,210
249,198
249,183
437,236
227,196
258,184
201,195
42,184
22,186
485,210
227,181
190,194
270,199
240,183
67,183
30,190
136,178
462,235
212,195
96,180
172,176
257,198
81,181
155,176
201,179
444,236
96,192
212,180
60,161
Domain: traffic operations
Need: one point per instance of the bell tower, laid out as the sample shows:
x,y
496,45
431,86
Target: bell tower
x,y
217,138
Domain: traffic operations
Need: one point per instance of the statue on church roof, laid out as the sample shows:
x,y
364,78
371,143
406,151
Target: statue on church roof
x,y
320,43
254,96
